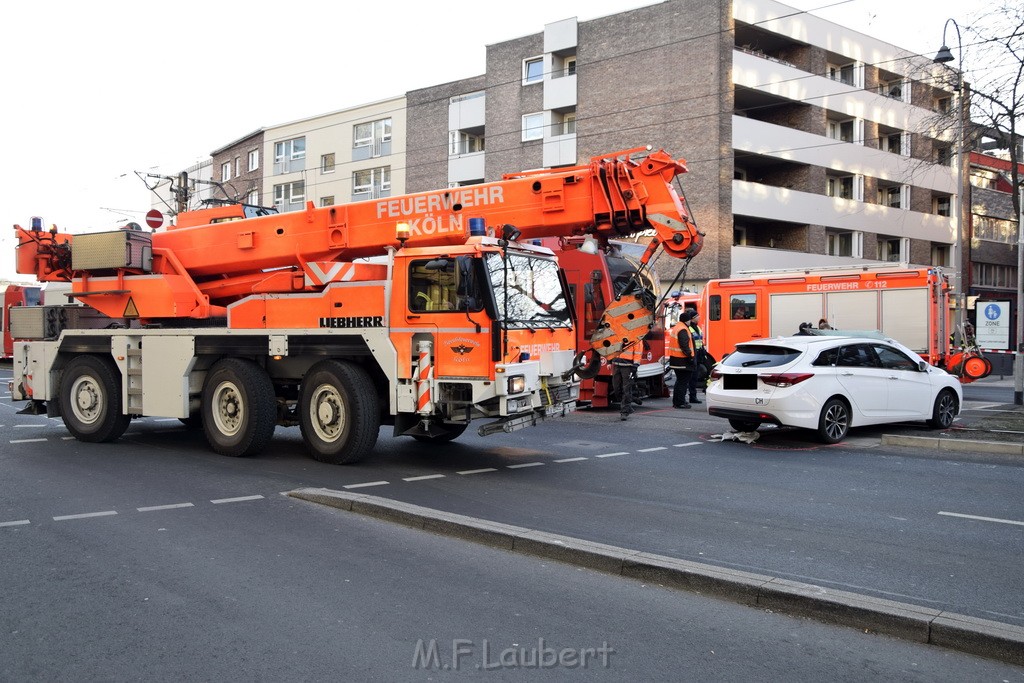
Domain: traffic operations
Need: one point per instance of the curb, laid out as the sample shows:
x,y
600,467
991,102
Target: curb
x,y
988,448
1004,642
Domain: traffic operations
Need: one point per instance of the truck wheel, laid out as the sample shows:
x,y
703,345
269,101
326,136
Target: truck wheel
x,y
90,400
239,409
452,432
834,422
944,410
338,412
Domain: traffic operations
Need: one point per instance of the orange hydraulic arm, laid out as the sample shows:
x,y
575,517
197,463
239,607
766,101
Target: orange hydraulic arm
x,y
207,266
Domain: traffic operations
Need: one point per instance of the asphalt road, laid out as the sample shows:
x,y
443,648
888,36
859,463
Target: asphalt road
x,y
154,557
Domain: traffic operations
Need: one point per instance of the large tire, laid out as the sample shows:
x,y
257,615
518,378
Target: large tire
x,y
239,409
744,425
339,412
90,400
452,432
944,410
834,422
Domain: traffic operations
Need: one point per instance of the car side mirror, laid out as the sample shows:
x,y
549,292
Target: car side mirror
x,y
922,366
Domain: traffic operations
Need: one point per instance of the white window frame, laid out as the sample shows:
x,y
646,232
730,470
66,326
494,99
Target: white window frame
x,y
378,185
291,194
835,187
943,206
886,253
290,150
529,77
569,66
225,171
253,198
327,201
324,170
835,129
840,241
569,123
254,160
378,133
531,130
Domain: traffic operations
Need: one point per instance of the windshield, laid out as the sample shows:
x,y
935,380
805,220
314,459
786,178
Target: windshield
x,y
622,267
534,296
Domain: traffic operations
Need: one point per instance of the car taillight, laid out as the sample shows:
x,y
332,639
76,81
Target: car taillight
x,y
786,379
715,374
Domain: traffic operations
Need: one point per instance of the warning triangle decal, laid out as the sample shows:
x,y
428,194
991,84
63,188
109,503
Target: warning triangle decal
x,y
130,311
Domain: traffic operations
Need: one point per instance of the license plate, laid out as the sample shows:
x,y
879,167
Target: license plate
x,y
739,382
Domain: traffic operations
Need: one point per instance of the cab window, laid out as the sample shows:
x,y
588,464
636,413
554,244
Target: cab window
x,y
444,284
742,306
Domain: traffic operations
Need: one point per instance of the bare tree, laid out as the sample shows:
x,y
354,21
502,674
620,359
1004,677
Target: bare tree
x,y
994,57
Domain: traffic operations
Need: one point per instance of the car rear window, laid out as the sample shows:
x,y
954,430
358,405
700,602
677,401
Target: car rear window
x,y
761,356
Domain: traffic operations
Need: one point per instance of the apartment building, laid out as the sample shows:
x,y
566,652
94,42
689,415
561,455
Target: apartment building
x,y
238,169
808,144
344,156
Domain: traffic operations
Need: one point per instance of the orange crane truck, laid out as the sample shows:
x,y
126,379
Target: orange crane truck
x,y
423,311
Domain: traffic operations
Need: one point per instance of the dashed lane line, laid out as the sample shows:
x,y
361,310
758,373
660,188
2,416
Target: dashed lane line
x,y
479,471
239,499
651,450
173,506
611,455
26,440
570,459
365,484
85,515
17,522
982,519
688,443
524,464
424,477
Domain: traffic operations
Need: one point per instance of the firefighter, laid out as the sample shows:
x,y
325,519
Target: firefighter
x,y
624,369
681,358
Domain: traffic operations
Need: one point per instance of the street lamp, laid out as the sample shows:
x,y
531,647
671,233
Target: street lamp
x,y
944,56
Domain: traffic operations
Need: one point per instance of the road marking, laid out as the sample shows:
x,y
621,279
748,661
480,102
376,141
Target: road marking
x,y
570,459
651,450
19,522
982,519
239,499
690,443
525,464
611,455
67,438
480,471
154,508
26,440
425,476
105,513
369,483
41,424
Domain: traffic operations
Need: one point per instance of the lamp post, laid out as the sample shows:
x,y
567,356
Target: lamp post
x,y
944,56
1018,356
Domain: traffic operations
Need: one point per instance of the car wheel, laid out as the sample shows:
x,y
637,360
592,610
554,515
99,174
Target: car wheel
x,y
744,425
834,422
90,400
239,411
339,413
944,411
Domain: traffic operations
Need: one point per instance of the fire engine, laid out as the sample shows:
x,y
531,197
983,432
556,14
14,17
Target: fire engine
x,y
423,311
910,305
595,280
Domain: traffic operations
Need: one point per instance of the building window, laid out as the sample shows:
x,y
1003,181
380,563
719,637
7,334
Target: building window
x,y
225,171
371,139
739,236
892,88
290,155
890,196
996,276
327,201
569,66
253,198
371,183
944,155
533,127
327,163
940,255
994,229
460,142
565,126
893,142
238,166
894,249
981,177
841,130
533,70
943,206
841,187
254,160
850,244
290,196
841,73
943,104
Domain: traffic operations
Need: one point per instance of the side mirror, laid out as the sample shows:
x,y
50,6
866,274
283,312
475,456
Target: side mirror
x,y
922,366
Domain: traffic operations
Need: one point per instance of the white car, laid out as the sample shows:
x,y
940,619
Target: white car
x,y
829,384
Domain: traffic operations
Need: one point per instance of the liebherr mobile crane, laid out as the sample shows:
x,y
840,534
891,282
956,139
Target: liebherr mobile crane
x,y
423,311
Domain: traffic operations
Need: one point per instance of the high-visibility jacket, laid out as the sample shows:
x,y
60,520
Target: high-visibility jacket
x,y
632,355
674,349
696,337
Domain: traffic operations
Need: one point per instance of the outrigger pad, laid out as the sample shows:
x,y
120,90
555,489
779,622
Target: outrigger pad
x,y
33,408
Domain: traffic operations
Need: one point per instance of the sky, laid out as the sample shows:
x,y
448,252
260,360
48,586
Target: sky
x,y
95,92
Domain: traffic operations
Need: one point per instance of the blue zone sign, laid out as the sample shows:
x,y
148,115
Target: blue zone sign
x,y
993,328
